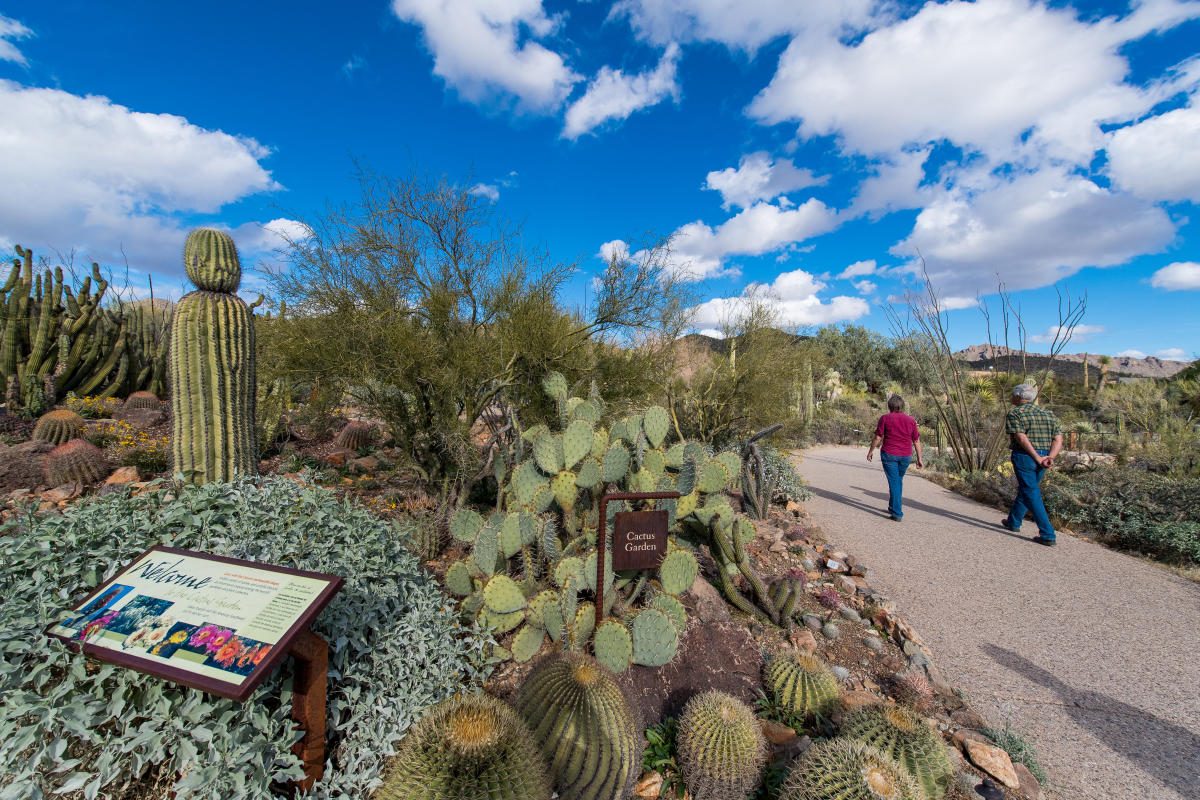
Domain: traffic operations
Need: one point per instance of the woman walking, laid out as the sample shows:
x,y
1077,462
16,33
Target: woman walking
x,y
898,433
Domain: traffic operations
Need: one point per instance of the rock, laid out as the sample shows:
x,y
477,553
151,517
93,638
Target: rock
x,y
849,702
1028,784
710,606
776,732
967,781
834,555
993,761
938,683
790,750
808,565
964,735
850,614
966,718
850,562
61,494
803,640
142,418
366,464
830,631
779,547
911,648
918,660
859,571
846,584
841,673
649,787
46,505
123,475
812,622
793,507
873,643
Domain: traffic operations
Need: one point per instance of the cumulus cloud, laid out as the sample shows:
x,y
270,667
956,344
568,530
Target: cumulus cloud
x,y
488,190
86,174
865,287
10,29
616,248
613,95
253,237
893,184
758,177
1180,275
1081,333
1172,354
858,269
1159,158
487,49
794,295
1131,354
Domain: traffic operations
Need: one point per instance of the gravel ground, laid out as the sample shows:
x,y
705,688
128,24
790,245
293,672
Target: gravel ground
x,y
1094,654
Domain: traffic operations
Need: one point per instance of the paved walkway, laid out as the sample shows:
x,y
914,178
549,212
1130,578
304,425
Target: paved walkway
x,y
1093,653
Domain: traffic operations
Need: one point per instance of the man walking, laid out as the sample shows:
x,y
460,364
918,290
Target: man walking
x,y
1036,440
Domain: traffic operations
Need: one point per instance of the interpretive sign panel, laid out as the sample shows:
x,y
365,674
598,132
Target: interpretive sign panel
x,y
639,539
214,623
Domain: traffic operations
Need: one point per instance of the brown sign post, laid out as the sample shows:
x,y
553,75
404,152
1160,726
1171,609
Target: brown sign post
x,y
639,538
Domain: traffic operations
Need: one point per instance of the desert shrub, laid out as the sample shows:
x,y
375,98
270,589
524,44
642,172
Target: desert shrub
x,y
92,407
70,724
781,473
847,420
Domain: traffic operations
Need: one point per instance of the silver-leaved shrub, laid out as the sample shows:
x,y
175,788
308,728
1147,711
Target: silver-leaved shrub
x,y
71,726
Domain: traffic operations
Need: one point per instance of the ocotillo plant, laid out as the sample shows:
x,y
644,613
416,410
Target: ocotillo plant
x,y
212,366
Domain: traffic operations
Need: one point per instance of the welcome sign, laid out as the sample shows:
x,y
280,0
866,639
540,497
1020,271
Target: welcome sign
x,y
214,623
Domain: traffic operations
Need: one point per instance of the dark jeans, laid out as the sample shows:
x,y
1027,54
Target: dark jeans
x,y
1029,494
895,467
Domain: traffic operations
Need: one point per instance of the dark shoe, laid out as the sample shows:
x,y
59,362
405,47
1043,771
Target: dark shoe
x,y
894,518
1045,541
1004,523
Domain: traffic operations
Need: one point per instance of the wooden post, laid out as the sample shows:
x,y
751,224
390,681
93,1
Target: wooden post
x,y
311,654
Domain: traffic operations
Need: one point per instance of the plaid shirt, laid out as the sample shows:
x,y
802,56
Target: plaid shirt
x,y
1036,422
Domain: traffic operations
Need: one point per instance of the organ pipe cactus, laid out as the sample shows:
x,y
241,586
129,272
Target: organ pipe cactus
x,y
584,726
721,747
212,366
467,748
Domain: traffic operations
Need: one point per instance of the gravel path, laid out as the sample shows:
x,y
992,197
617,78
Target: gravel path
x,y
1093,653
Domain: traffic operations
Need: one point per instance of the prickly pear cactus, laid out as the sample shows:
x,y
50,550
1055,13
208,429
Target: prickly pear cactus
x,y
903,735
721,747
584,726
847,769
467,748
802,684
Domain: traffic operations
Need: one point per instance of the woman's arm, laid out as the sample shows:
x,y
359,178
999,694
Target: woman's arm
x,y
878,440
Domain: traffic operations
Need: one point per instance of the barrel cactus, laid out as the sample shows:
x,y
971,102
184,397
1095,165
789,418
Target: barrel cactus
x,y
902,734
584,726
847,769
721,748
354,436
58,427
467,748
212,366
143,400
76,461
802,684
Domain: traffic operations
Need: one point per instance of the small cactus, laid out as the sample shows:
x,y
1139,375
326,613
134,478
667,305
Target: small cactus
x,y
903,735
143,400
802,684
354,436
584,726
58,427
847,769
467,748
913,689
721,747
76,461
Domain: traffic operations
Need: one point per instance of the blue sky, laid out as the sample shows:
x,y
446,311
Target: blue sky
x,y
811,148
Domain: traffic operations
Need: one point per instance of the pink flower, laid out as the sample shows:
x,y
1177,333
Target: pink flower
x,y
218,640
202,636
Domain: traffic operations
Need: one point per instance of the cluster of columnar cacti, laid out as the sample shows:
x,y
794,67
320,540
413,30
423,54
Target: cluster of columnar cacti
x,y
58,427
584,726
212,366
758,486
467,748
55,339
847,769
721,749
76,461
804,685
903,735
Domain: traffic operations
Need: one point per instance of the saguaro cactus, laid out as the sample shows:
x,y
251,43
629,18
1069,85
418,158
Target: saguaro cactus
x,y
212,368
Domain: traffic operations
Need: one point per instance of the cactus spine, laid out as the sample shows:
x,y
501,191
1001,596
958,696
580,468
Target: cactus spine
x,y
903,735
802,684
58,427
212,367
847,769
467,748
77,461
721,747
585,728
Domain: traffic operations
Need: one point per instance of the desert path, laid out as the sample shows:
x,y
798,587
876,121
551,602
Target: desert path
x,y
1094,653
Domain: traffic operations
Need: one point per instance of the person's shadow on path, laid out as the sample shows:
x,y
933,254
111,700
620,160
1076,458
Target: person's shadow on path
x,y
941,512
849,501
1169,752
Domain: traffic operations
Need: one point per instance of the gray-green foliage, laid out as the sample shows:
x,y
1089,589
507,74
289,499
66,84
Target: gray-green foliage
x,y
67,723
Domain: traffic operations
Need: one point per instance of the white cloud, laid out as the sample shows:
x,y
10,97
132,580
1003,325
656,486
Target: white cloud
x,y
893,185
865,287
615,248
1081,333
858,269
1159,159
981,74
353,65
85,174
1131,354
712,333
701,251
1180,275
11,29
486,48
794,295
1172,354
757,178
488,190
252,237
614,95
956,303
1030,230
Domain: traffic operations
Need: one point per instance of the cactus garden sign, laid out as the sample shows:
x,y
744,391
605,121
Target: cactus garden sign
x,y
639,538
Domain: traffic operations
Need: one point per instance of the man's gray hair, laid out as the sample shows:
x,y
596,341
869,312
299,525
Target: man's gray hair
x,y
1026,391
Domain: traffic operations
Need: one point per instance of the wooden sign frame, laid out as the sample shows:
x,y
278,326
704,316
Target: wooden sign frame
x,y
602,536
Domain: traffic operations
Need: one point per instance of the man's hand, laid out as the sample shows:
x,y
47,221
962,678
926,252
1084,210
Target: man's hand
x,y
1048,462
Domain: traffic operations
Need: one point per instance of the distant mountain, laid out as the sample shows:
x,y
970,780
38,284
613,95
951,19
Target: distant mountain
x,y
1069,366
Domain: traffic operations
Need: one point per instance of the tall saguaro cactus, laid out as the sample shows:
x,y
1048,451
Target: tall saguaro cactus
x,y
212,367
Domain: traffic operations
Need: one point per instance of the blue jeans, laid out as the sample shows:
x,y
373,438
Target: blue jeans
x,y
1029,494
895,467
